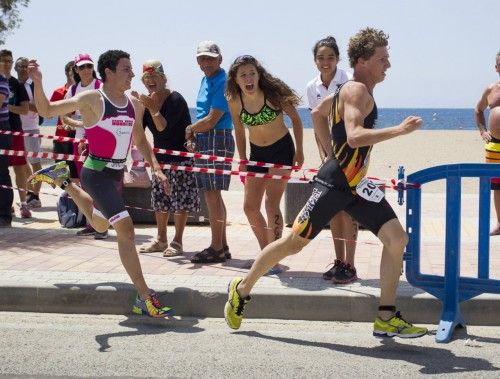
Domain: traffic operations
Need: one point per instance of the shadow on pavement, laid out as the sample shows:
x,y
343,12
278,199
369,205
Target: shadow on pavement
x,y
44,209
471,339
143,325
16,236
141,239
432,360
34,219
309,281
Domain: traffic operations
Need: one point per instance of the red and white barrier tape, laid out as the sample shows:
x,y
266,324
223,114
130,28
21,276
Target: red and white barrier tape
x,y
225,159
221,172
80,158
37,135
183,154
33,154
71,157
165,151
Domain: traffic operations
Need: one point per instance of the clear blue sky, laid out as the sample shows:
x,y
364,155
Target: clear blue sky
x,y
442,52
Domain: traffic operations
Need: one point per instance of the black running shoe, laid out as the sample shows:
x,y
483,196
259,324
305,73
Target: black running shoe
x,y
346,274
87,231
101,236
337,265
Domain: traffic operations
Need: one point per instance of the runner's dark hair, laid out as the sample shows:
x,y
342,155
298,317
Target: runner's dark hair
x,y
110,59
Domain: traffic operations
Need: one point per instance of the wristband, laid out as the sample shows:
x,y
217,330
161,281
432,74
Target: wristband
x,y
156,114
387,308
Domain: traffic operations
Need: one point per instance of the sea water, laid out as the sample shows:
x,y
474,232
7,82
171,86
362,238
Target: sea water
x,y
433,118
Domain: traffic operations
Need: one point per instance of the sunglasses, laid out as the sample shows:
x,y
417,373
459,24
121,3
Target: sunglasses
x,y
6,61
86,66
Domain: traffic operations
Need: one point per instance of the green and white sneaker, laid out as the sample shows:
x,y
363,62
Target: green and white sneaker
x,y
60,170
397,327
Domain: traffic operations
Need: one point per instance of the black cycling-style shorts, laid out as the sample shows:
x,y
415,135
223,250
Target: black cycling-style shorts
x,y
104,187
330,195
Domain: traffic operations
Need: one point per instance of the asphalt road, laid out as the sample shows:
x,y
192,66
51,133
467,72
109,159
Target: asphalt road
x,y
56,345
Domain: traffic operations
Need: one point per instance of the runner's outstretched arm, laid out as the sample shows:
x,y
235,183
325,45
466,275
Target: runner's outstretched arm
x,y
44,106
358,104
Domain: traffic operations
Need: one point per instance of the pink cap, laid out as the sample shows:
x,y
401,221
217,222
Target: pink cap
x,y
82,59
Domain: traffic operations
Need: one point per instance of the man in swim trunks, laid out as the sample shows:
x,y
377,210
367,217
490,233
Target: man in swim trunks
x,y
111,119
491,98
340,185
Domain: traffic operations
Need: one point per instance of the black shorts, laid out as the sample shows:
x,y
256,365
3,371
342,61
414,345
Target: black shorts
x,y
105,187
331,194
280,152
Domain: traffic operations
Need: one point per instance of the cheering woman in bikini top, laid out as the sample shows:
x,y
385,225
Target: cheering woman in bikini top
x,y
258,101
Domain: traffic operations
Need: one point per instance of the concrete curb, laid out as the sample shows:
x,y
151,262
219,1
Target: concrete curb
x,y
297,298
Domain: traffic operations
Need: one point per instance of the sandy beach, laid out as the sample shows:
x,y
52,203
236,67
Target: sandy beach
x,y
416,151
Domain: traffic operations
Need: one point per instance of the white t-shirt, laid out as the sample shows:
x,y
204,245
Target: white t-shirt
x,y
316,91
80,132
30,120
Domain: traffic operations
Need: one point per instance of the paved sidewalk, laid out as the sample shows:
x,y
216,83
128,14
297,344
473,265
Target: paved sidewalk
x,y
45,268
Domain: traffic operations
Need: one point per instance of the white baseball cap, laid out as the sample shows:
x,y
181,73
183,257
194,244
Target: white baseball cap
x,y
208,48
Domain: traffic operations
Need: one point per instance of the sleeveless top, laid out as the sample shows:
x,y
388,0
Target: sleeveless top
x,y
353,161
75,89
265,115
109,139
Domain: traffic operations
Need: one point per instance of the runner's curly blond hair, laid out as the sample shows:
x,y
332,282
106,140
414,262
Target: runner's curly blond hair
x,y
364,43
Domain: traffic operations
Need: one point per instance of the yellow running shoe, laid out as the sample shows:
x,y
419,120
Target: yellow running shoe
x,y
233,310
397,327
60,170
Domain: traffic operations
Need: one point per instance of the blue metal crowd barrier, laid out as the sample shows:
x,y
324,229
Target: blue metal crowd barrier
x,y
451,288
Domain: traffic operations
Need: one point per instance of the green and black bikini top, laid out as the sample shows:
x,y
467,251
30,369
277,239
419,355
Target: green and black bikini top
x,y
262,117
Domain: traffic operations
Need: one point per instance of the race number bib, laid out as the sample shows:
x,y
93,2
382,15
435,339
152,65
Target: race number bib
x,y
369,190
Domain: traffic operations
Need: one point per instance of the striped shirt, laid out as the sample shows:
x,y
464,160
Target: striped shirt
x,y
4,90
